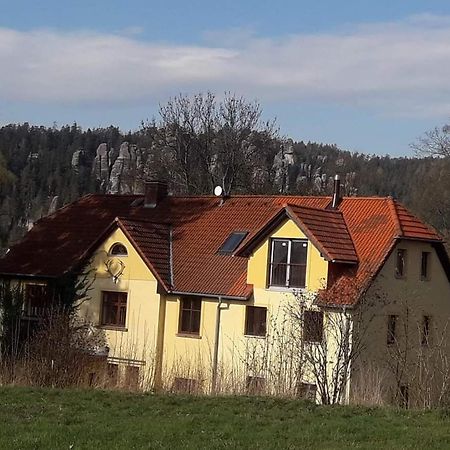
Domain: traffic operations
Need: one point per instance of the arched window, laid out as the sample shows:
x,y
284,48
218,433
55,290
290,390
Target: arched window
x,y
118,249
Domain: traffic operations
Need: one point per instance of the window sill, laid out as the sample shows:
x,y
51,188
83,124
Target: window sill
x,y
285,289
188,335
112,328
255,336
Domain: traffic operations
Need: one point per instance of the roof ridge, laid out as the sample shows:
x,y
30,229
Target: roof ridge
x,y
394,214
291,205
133,219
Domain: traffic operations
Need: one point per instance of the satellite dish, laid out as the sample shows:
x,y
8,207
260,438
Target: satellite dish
x,y
218,191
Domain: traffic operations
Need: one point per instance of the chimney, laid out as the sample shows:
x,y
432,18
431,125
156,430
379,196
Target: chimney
x,y
336,192
155,191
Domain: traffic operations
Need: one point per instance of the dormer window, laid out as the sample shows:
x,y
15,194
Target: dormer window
x,y
288,263
118,249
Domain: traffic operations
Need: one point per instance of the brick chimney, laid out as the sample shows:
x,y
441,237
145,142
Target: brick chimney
x,y
155,191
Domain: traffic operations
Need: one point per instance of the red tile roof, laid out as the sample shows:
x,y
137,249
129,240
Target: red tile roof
x,y
327,227
180,238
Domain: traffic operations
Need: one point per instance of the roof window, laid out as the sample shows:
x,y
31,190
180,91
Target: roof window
x,y
232,242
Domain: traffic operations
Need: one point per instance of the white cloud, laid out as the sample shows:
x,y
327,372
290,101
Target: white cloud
x,y
396,68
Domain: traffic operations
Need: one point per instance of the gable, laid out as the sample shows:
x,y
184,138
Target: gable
x,y
325,228
316,265
134,266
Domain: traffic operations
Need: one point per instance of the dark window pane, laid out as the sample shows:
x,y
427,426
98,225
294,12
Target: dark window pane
x,y
297,273
118,249
185,385
426,322
280,252
113,374
37,302
190,315
232,242
391,329
255,385
299,250
424,266
132,377
114,308
400,263
256,321
288,263
313,326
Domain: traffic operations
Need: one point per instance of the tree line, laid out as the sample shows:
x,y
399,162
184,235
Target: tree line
x,y
200,142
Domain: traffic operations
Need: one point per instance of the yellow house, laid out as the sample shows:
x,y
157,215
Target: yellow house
x,y
258,294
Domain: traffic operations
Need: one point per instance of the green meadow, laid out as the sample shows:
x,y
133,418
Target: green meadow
x,y
93,419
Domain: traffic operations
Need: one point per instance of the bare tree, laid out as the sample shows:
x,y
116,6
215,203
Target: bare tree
x,y
208,142
334,335
435,142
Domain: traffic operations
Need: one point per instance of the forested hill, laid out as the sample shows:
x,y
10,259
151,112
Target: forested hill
x,y
43,168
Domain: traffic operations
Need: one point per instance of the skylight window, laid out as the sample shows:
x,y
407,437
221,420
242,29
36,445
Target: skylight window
x,y
232,242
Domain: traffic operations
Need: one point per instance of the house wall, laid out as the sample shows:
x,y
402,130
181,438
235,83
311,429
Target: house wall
x,y
406,362
138,340
239,355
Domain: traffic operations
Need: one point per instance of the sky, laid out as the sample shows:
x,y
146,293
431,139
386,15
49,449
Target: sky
x,y
368,76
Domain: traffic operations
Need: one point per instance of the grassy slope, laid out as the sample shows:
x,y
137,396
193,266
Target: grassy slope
x,y
47,419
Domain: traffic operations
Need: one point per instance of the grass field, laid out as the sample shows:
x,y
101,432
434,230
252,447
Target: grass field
x,y
77,419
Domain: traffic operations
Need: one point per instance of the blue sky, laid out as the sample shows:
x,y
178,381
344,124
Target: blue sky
x,y
368,76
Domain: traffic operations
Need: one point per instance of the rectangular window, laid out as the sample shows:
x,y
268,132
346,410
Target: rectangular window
x,y
114,309
426,330
288,263
255,385
307,391
190,311
112,373
424,275
313,326
37,303
132,377
400,265
404,397
391,330
255,321
185,385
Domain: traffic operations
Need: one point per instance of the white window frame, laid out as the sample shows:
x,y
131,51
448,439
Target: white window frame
x,y
288,262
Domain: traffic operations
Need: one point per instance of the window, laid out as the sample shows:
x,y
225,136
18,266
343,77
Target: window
x,y
400,266
313,326
255,385
307,391
185,385
190,311
36,300
288,263
255,321
132,377
112,373
232,242
404,397
426,330
114,309
118,249
391,330
424,266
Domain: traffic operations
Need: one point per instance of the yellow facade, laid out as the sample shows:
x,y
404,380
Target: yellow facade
x,y
410,298
137,340
151,336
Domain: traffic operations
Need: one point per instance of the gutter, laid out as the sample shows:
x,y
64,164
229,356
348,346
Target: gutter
x,y
216,348
205,294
